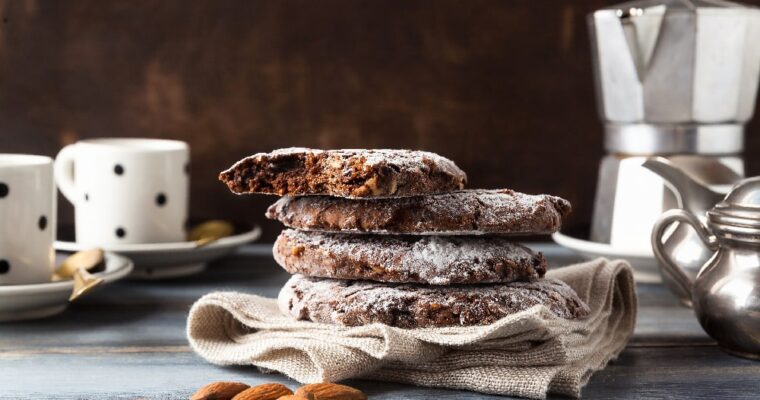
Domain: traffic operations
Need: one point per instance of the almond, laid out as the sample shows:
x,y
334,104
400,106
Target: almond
x,y
295,397
267,391
219,391
330,391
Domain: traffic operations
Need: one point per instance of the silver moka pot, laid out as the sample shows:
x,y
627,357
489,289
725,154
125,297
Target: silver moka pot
x,y
677,79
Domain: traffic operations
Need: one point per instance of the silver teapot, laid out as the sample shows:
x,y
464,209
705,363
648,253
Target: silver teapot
x,y
726,292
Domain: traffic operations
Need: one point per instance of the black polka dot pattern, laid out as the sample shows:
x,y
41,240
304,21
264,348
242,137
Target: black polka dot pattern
x,y
160,199
42,222
4,190
86,197
120,232
118,169
5,266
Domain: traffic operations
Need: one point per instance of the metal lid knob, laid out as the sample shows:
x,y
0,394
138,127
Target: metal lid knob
x,y
738,215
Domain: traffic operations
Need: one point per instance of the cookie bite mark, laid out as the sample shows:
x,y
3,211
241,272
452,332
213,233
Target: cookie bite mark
x,y
344,173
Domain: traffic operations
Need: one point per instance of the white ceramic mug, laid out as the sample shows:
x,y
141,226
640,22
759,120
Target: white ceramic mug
x,y
126,190
27,219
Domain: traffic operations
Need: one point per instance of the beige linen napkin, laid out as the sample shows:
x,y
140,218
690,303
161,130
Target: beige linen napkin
x,y
526,354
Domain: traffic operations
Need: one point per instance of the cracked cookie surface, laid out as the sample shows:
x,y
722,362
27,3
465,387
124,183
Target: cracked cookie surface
x,y
465,212
433,260
354,303
344,173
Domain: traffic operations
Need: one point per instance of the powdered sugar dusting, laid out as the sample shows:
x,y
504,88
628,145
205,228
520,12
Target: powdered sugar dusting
x,y
475,211
351,173
406,305
402,158
425,259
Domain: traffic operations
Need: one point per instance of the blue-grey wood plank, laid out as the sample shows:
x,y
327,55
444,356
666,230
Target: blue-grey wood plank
x,y
127,341
665,373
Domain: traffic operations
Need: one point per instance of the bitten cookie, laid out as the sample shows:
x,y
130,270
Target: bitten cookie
x,y
344,173
431,260
466,212
354,303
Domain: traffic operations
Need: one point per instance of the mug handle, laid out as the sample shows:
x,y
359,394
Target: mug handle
x,y
63,170
679,215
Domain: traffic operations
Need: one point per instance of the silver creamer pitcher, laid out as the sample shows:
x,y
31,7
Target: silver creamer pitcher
x,y
683,244
726,292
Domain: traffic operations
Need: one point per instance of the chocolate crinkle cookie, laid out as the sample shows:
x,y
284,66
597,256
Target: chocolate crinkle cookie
x,y
434,260
344,173
354,303
465,212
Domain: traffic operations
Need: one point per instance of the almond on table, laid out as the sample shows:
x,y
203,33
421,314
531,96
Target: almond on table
x,y
219,391
266,391
277,391
330,391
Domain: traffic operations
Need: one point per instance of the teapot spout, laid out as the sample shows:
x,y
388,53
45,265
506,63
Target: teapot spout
x,y
692,195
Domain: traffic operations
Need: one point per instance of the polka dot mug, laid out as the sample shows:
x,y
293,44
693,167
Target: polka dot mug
x,y
126,190
27,219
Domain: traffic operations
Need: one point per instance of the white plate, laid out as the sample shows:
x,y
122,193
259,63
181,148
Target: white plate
x,y
645,268
170,260
39,300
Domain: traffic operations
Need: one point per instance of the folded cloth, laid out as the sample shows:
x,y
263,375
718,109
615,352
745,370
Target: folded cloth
x,y
528,354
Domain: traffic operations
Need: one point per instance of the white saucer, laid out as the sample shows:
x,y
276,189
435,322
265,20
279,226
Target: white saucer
x,y
645,268
171,260
39,300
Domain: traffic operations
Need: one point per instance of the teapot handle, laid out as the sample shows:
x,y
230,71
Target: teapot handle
x,y
678,215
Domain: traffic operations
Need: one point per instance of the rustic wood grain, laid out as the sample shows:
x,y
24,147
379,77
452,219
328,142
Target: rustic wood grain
x,y
128,341
651,373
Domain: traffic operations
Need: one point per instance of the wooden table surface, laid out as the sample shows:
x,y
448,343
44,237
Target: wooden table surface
x,y
128,341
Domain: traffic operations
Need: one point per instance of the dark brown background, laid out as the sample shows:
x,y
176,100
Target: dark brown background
x,y
504,88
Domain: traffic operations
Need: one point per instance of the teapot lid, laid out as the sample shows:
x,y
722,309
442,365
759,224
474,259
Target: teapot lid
x,y
739,211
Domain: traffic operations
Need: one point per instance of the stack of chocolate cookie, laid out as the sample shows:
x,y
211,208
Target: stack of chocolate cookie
x,y
390,236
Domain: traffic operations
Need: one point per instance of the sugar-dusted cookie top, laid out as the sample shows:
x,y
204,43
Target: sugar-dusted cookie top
x,y
354,303
344,173
434,260
465,212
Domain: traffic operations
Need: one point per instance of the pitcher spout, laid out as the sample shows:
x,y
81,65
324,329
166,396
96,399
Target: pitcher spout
x,y
692,195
